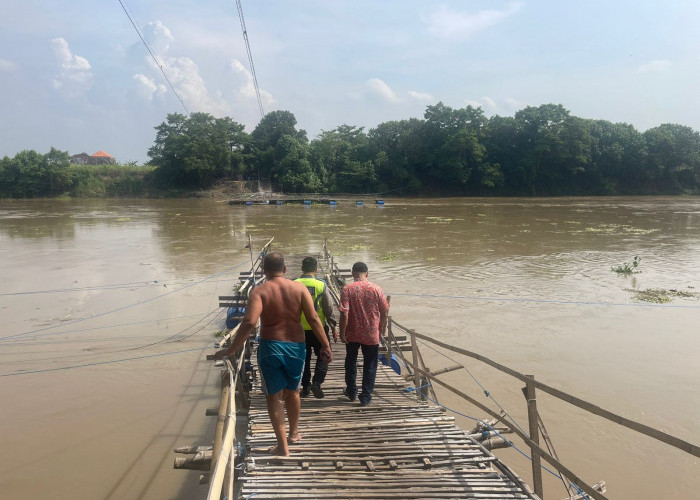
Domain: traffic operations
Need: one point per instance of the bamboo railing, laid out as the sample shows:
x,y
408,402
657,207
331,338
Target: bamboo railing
x,y
421,373
224,454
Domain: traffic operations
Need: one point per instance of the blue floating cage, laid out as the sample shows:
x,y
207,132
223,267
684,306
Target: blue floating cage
x,y
380,202
307,202
359,203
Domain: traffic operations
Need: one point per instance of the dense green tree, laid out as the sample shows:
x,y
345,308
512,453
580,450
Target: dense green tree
x,y
673,159
452,148
618,154
397,149
195,150
294,172
341,156
539,142
262,147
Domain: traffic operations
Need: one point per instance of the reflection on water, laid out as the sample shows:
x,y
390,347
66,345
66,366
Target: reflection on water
x,y
526,282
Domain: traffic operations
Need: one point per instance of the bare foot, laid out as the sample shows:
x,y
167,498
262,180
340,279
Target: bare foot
x,y
293,438
276,451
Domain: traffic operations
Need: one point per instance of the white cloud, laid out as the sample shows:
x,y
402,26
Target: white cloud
x,y
487,104
447,23
421,96
379,88
490,107
158,37
147,87
188,81
6,65
183,73
75,77
513,105
246,85
657,66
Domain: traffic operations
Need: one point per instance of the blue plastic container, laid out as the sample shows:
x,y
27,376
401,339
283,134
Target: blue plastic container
x,y
394,362
231,316
307,202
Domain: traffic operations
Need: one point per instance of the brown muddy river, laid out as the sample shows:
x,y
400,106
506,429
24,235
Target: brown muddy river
x,y
108,309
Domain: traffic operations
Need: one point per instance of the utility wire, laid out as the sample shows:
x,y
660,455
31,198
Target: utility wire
x,y
100,362
250,56
160,66
124,307
167,340
22,341
116,286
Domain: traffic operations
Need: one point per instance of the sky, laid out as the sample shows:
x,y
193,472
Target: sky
x,y
75,75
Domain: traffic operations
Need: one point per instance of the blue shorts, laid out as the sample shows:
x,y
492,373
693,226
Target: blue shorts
x,y
281,365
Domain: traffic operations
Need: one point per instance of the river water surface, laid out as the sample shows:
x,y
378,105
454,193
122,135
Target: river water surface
x,y
108,309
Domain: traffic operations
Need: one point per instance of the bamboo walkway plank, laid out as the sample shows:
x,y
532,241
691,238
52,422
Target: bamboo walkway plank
x,y
397,447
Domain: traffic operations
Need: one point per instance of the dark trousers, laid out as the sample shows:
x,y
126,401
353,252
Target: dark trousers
x,y
312,344
369,369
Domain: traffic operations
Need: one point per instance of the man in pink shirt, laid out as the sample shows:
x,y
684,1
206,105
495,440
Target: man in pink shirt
x,y
363,315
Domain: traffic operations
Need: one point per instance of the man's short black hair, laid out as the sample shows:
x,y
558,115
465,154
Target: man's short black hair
x,y
359,267
309,264
273,262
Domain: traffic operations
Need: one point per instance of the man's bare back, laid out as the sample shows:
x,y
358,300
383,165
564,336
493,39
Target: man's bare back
x,y
281,306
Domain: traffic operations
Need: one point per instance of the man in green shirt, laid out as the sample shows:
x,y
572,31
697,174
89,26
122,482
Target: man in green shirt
x,y
327,314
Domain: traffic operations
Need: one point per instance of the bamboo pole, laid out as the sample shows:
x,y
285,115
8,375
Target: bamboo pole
x,y
222,455
250,247
389,340
534,435
414,353
221,419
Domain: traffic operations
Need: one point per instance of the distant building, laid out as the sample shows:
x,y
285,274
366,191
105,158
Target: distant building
x,y
99,158
81,159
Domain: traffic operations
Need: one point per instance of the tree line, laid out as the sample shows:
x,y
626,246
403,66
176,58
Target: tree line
x,y
30,174
540,151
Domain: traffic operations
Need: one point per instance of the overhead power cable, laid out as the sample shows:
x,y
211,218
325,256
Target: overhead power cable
x,y
121,308
250,56
97,363
155,60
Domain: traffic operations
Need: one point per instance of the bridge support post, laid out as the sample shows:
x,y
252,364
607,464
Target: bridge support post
x,y
534,434
416,376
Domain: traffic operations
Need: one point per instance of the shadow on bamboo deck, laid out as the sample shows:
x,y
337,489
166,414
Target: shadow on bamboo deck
x,y
397,447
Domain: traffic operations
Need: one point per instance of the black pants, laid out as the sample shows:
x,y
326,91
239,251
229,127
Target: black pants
x,y
369,369
321,369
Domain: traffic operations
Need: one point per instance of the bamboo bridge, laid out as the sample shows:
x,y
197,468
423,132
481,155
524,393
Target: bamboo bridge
x,y
402,446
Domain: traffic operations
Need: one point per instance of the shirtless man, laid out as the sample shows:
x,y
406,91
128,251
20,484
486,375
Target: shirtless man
x,y
278,303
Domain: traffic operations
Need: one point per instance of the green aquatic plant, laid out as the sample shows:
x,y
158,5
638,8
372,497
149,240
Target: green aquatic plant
x,y
660,296
628,267
388,257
